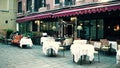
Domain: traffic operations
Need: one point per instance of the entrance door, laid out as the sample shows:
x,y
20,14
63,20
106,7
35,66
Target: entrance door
x,y
69,29
86,32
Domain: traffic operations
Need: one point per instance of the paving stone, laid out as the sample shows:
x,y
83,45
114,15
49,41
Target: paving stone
x,y
15,57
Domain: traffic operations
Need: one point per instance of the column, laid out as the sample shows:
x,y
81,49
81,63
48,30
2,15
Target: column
x,y
17,27
32,6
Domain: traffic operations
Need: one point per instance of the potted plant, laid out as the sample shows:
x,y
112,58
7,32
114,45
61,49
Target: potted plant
x,y
8,33
36,38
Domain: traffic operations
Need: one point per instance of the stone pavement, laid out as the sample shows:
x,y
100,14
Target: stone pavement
x,y
15,57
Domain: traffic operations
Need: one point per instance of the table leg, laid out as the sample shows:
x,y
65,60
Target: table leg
x,y
51,52
73,58
81,60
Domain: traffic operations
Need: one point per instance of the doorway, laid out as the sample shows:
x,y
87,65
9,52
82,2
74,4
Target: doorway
x,y
69,29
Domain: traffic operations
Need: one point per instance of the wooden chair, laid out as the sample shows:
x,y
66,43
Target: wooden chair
x,y
67,43
8,40
105,47
118,44
62,49
81,41
97,46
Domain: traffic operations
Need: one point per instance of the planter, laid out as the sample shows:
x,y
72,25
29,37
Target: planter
x,y
36,40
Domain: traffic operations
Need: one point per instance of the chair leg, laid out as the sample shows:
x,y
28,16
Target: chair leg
x,y
64,49
63,52
81,61
98,57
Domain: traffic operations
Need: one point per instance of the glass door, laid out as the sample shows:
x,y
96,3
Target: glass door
x,y
86,29
70,29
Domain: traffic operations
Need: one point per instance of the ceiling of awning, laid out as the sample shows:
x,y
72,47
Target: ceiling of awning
x,y
71,12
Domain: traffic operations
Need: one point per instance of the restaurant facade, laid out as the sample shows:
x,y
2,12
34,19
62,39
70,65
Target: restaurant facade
x,y
85,19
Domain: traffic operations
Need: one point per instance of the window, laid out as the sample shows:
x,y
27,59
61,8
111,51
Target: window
x,y
43,4
68,2
39,3
57,1
19,7
34,26
29,4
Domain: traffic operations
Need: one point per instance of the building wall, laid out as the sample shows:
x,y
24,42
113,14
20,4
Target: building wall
x,y
8,10
58,6
24,5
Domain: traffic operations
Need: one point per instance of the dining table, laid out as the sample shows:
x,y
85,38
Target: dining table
x,y
79,50
26,41
53,46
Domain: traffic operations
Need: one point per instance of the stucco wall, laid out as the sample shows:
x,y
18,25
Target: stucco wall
x,y
8,10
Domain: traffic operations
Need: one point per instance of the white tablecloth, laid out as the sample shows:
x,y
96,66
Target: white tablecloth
x,y
82,49
51,45
26,41
118,57
80,41
46,39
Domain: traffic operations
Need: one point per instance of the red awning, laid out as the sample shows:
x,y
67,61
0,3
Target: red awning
x,y
72,12
80,11
34,17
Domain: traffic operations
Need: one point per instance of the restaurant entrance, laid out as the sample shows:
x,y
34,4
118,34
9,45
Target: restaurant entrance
x,y
69,29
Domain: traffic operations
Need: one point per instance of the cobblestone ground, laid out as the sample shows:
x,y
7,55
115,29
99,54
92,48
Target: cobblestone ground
x,y
15,57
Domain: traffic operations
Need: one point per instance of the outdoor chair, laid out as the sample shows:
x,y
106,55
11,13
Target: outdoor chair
x,y
118,44
67,43
9,39
97,46
105,46
81,41
62,49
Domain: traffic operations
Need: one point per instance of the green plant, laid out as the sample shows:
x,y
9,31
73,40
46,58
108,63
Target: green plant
x,y
37,34
8,33
28,34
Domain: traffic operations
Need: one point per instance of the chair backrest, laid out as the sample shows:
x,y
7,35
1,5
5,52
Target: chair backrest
x,y
118,44
118,47
68,41
97,45
104,42
91,42
80,41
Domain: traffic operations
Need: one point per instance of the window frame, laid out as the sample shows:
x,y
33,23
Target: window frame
x,y
20,7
